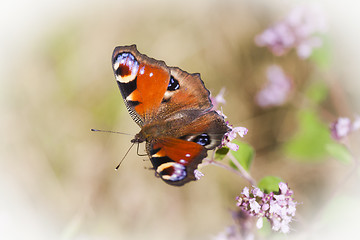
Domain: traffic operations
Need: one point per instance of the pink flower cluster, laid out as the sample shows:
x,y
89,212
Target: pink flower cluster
x,y
279,209
297,30
343,127
277,89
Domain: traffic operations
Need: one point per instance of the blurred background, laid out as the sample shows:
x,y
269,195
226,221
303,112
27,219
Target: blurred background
x,y
57,179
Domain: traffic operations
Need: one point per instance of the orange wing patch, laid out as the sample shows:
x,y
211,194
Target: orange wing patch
x,y
152,82
178,150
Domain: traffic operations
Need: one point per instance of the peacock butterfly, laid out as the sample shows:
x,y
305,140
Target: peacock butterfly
x,y
174,111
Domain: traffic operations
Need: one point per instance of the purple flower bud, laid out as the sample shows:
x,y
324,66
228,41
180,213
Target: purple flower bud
x,y
343,127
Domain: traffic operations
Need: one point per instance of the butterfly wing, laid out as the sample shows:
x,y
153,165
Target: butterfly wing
x,y
175,158
173,109
142,81
185,92
151,90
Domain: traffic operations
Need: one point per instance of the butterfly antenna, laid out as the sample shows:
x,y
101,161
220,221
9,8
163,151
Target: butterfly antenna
x,y
117,167
98,130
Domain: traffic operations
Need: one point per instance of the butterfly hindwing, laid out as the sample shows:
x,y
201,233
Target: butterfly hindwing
x,y
175,160
207,129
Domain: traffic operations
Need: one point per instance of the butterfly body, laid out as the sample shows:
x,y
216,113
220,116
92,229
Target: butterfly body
x,y
173,109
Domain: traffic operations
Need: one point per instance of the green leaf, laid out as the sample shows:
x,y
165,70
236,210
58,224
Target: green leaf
x,y
221,153
309,143
339,152
244,155
317,92
269,184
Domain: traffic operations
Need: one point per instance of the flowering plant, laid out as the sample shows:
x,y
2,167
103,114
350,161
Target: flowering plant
x,y
270,198
277,208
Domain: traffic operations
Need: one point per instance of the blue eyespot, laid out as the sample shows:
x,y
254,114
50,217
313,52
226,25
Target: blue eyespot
x,y
202,139
173,84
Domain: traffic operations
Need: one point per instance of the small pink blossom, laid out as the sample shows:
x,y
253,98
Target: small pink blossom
x,y
236,130
278,209
265,207
297,30
232,146
242,131
218,99
220,112
229,136
254,206
246,192
283,187
259,223
276,91
257,192
343,127
232,134
198,174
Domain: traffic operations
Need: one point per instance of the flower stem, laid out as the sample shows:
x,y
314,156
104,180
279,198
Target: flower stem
x,y
245,174
241,171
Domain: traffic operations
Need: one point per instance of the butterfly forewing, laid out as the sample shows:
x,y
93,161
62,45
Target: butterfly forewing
x,y
142,82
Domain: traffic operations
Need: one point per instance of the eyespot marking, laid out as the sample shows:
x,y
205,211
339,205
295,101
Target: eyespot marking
x,y
173,84
202,139
125,67
171,171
